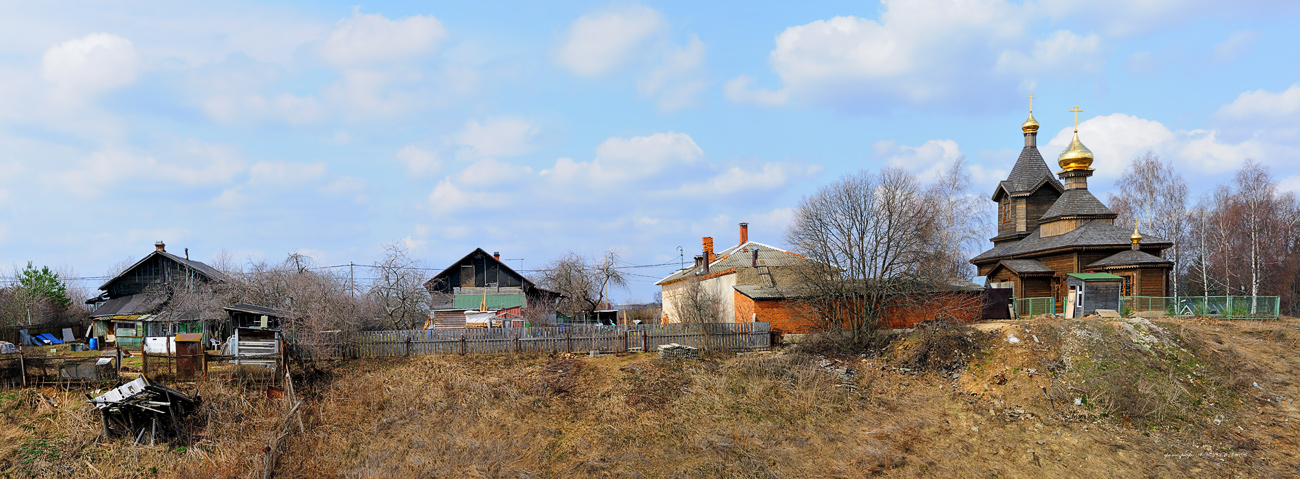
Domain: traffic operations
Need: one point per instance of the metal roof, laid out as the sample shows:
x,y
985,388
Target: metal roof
x,y
251,309
1094,276
741,256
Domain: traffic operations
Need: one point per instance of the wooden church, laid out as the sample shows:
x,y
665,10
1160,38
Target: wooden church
x,y
1049,229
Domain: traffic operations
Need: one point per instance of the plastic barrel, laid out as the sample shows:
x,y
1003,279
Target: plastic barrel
x,y
94,344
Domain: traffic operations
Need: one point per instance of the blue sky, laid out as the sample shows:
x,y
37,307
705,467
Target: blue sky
x,y
539,128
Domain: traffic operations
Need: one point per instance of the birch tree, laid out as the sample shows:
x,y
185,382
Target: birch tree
x,y
1152,196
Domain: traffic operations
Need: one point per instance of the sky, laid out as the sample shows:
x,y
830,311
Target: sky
x,y
537,129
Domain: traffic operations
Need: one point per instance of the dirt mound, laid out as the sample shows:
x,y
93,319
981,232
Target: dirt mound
x,y
937,346
654,383
559,376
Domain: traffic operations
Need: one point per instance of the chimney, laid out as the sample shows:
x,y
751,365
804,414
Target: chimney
x,y
699,263
160,246
187,253
755,261
744,233
708,250
497,256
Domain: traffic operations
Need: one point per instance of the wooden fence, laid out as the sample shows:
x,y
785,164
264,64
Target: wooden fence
x,y
549,339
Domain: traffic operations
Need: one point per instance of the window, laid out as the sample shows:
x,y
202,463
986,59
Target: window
x,y
1126,287
1006,210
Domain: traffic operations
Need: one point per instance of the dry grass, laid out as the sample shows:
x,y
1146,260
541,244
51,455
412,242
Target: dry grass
x,y
972,405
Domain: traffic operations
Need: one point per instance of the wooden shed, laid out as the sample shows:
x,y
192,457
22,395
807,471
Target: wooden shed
x,y
1089,292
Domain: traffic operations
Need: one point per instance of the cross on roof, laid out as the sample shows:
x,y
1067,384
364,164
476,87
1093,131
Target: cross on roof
x,y
1031,102
1076,111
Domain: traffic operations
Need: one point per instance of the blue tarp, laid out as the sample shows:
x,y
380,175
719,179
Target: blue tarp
x,y
43,339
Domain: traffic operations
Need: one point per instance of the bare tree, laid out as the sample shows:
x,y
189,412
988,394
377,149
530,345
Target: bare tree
x,y
697,304
879,239
585,284
1153,193
399,289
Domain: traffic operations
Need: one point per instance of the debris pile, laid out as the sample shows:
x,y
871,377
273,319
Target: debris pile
x,y
140,406
677,351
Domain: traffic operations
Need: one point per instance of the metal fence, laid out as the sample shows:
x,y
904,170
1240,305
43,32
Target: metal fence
x,y
570,338
1223,307
1035,306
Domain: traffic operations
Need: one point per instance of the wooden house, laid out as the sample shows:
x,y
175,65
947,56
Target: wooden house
x,y
480,281
133,304
1049,228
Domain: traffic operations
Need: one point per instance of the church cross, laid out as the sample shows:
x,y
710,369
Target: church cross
x,y
1076,111
1031,102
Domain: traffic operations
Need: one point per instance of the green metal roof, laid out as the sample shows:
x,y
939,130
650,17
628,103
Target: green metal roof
x,y
494,301
1088,276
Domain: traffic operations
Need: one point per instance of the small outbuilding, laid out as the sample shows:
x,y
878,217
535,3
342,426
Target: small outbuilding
x,y
1089,292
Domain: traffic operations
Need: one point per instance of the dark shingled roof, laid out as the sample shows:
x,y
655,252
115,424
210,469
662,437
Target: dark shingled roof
x,y
1024,266
128,305
1128,258
251,309
211,273
1077,202
1029,173
758,291
1090,234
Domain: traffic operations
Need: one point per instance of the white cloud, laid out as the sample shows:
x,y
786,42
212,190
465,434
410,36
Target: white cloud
x,y
287,107
677,81
190,164
1263,105
278,174
88,65
491,172
765,178
926,161
372,37
1064,52
418,160
1117,138
743,90
498,137
1236,44
599,42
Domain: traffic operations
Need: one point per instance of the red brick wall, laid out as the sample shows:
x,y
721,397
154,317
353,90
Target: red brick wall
x,y
905,313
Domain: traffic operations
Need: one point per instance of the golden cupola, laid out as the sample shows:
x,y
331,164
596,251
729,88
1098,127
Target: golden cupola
x,y
1076,156
1030,125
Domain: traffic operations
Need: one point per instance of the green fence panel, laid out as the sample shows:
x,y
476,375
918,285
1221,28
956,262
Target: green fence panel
x,y
1222,307
1035,306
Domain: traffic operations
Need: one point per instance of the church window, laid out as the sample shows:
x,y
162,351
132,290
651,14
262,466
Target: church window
x,y
1126,288
1006,210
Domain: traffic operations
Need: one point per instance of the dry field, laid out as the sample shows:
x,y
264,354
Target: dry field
x,y
1065,398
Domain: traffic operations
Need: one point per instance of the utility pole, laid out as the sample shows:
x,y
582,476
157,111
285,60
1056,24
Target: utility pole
x,y
352,282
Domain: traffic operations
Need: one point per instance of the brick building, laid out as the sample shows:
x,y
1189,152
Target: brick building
x,y
752,281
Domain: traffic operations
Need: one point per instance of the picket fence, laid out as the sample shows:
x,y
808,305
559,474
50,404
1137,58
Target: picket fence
x,y
548,339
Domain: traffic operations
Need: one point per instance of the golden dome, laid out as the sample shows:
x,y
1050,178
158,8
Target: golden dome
x,y
1030,125
1137,237
1076,156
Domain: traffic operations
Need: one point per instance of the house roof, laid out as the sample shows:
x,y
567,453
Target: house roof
x,y
1077,202
758,291
1026,266
740,256
211,273
1129,258
1093,233
251,309
1029,173
480,251
129,305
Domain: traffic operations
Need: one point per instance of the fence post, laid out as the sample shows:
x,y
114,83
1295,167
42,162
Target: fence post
x,y
568,340
408,346
645,341
516,342
119,363
626,343
22,365
462,345
144,362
